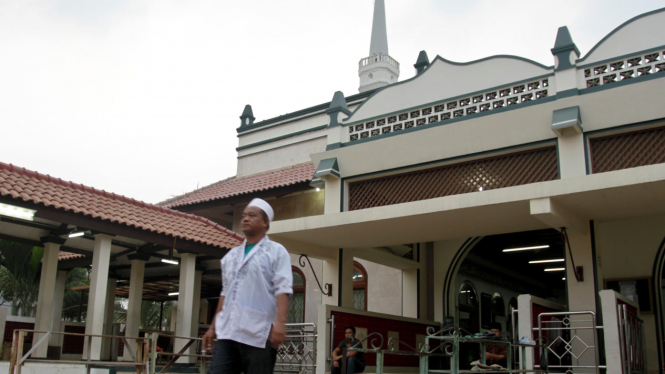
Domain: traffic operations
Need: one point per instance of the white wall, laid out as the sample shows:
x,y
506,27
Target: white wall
x,y
627,250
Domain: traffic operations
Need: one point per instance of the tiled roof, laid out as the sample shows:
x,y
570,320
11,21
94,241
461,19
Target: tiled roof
x,y
45,190
239,186
63,256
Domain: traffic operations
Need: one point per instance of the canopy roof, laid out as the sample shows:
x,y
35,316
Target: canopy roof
x,y
88,207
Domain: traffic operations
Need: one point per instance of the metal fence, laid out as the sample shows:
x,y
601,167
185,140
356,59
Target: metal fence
x,y
298,353
631,338
569,341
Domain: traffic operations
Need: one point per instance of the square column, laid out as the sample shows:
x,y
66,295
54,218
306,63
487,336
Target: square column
x,y
186,300
135,300
108,319
94,322
58,298
47,282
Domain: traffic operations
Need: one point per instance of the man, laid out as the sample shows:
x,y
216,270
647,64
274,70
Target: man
x,y
251,313
355,361
496,353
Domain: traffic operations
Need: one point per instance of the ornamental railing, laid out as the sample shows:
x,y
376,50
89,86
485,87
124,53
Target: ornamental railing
x,y
631,336
378,58
298,353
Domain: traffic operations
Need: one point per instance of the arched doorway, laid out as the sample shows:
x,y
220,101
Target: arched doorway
x,y
359,286
501,267
296,313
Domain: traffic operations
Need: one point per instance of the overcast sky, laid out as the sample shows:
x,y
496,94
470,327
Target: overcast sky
x,y
142,98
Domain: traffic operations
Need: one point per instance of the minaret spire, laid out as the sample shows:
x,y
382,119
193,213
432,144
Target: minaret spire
x,y
379,43
379,69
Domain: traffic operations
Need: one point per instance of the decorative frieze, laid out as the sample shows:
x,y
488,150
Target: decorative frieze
x,y
465,106
628,68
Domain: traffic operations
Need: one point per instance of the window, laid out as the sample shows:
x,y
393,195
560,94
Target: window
x,y
359,287
498,309
468,308
296,312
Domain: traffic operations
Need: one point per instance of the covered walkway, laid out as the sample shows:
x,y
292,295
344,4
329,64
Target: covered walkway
x,y
129,245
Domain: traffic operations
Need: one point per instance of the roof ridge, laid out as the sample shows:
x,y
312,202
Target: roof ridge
x,y
82,187
186,194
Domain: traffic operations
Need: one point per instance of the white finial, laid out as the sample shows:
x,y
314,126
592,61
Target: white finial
x,y
379,43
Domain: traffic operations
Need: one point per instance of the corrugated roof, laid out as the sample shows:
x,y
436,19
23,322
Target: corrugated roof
x,y
30,186
239,186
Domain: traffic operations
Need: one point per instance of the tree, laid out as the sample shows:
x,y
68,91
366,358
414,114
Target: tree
x,y
19,276
72,300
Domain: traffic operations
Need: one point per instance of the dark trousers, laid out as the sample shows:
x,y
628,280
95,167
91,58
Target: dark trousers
x,y
231,357
352,366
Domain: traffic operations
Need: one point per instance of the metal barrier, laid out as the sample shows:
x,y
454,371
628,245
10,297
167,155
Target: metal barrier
x,y
298,353
562,338
631,339
202,359
451,337
18,359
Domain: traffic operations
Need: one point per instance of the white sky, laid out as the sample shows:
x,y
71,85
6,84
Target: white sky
x,y
142,98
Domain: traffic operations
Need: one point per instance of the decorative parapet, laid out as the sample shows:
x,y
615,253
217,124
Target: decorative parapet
x,y
378,58
477,103
621,69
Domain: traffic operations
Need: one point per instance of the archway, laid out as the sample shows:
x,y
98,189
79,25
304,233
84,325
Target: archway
x,y
659,297
501,267
359,286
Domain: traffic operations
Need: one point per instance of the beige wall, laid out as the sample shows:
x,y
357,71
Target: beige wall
x,y
305,204
384,288
627,249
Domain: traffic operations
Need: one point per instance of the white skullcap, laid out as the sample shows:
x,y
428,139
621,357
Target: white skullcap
x,y
264,206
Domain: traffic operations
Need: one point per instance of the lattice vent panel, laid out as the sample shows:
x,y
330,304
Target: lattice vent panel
x,y
628,150
628,68
482,102
480,175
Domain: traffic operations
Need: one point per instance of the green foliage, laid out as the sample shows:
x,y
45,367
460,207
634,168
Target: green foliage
x,y
72,300
19,275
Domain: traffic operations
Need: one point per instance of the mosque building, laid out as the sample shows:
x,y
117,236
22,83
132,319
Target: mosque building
x,y
493,192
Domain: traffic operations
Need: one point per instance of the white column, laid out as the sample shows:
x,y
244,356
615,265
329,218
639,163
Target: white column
x,y
572,161
94,322
410,293
58,297
44,314
108,319
332,197
135,299
196,309
185,301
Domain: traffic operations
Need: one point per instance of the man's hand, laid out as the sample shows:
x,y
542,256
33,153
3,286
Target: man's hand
x,y
336,363
277,335
208,338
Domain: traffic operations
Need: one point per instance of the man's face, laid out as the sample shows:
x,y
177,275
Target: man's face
x,y
252,222
348,333
496,332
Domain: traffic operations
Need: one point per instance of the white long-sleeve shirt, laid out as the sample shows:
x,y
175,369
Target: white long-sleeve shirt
x,y
250,286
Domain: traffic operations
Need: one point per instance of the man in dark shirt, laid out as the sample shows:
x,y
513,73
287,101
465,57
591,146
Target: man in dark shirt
x,y
496,353
355,361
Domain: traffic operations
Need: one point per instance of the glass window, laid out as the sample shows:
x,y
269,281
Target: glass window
x,y
359,287
296,312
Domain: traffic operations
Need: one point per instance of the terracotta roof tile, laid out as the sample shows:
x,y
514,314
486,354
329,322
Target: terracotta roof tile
x,y
63,256
239,186
76,198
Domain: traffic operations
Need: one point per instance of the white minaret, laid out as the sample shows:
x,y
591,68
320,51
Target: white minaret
x,y
379,69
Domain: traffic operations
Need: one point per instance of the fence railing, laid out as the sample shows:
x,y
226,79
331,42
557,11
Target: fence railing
x,y
18,359
567,338
298,353
631,337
